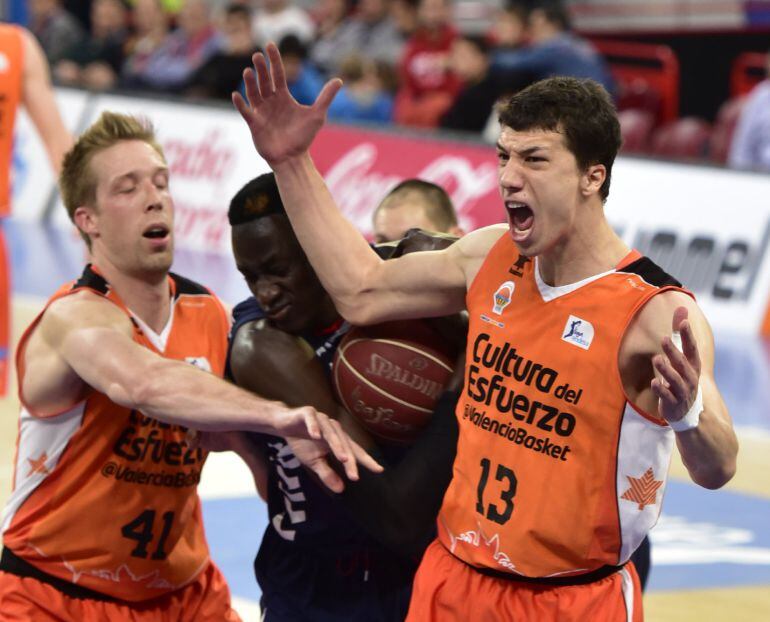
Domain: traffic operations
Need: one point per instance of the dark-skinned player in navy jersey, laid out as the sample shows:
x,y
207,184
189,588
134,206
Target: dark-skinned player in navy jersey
x,y
322,557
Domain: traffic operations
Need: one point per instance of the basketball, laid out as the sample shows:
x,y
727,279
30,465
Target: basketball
x,y
390,376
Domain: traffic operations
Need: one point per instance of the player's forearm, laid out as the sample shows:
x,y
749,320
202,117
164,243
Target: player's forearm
x,y
709,451
340,255
178,393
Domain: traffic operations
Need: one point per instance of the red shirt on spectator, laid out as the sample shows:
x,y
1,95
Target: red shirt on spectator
x,y
427,85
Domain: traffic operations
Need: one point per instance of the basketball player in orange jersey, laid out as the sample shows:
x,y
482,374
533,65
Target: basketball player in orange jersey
x,y
24,79
575,387
104,522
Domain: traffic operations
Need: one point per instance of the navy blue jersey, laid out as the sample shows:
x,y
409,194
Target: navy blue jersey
x,y
315,562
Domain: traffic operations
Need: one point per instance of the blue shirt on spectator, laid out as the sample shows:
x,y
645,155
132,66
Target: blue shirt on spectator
x,y
564,55
307,85
347,107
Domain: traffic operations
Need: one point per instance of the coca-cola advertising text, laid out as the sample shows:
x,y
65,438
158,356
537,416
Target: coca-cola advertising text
x,y
360,167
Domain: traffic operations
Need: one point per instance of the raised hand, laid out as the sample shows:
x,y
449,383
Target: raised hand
x,y
280,127
677,373
313,435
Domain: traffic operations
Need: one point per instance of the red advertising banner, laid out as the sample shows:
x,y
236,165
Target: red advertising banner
x,y
361,166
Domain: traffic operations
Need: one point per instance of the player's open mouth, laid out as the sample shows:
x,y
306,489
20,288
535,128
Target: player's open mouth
x,y
520,220
156,232
158,235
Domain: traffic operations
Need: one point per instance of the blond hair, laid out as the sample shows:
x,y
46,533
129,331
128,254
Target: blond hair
x,y
77,182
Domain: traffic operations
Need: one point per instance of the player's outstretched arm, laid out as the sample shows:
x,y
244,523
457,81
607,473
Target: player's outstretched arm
x,y
682,378
364,288
40,103
85,339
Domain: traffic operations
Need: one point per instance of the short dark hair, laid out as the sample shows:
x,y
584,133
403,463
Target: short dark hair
x,y
237,9
581,109
435,200
554,10
291,45
257,199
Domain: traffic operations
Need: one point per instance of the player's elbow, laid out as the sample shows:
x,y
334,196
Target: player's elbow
x,y
357,312
714,476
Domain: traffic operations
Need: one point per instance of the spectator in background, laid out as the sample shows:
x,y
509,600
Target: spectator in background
x,y
363,96
96,61
404,14
370,32
171,65
304,81
275,19
554,49
509,26
428,87
750,146
331,16
469,61
150,31
222,73
55,29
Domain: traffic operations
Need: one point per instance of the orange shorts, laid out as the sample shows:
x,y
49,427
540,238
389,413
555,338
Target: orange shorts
x,y
5,313
446,589
205,600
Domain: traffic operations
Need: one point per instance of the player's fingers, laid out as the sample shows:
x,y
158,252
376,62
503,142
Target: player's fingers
x,y
328,476
662,392
680,363
673,380
276,67
241,106
327,94
335,438
364,459
250,86
690,346
264,81
680,315
311,423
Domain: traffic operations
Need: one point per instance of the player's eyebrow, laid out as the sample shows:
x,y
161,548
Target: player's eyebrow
x,y
531,150
528,151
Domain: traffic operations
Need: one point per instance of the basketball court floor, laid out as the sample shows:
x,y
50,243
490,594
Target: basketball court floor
x,y
711,549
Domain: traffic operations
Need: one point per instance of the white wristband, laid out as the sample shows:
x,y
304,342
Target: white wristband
x,y
691,419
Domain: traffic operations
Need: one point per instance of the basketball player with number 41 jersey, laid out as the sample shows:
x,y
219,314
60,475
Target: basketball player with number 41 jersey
x,y
585,361
104,521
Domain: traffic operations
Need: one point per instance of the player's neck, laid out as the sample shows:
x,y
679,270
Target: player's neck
x,y
146,295
589,250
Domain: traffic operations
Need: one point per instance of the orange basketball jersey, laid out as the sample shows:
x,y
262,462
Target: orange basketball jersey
x,y
11,68
103,496
556,472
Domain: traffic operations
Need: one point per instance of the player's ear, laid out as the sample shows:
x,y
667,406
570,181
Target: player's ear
x,y
86,220
592,179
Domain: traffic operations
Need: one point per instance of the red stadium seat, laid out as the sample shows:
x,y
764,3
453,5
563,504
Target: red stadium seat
x,y
747,69
724,126
647,76
686,138
639,94
635,128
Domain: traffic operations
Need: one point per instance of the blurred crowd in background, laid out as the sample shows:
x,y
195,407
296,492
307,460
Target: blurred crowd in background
x,y
405,62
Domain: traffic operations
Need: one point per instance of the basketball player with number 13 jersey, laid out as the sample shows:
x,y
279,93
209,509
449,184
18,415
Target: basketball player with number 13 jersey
x,y
575,391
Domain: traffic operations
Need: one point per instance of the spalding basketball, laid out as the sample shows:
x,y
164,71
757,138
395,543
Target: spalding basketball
x,y
390,376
